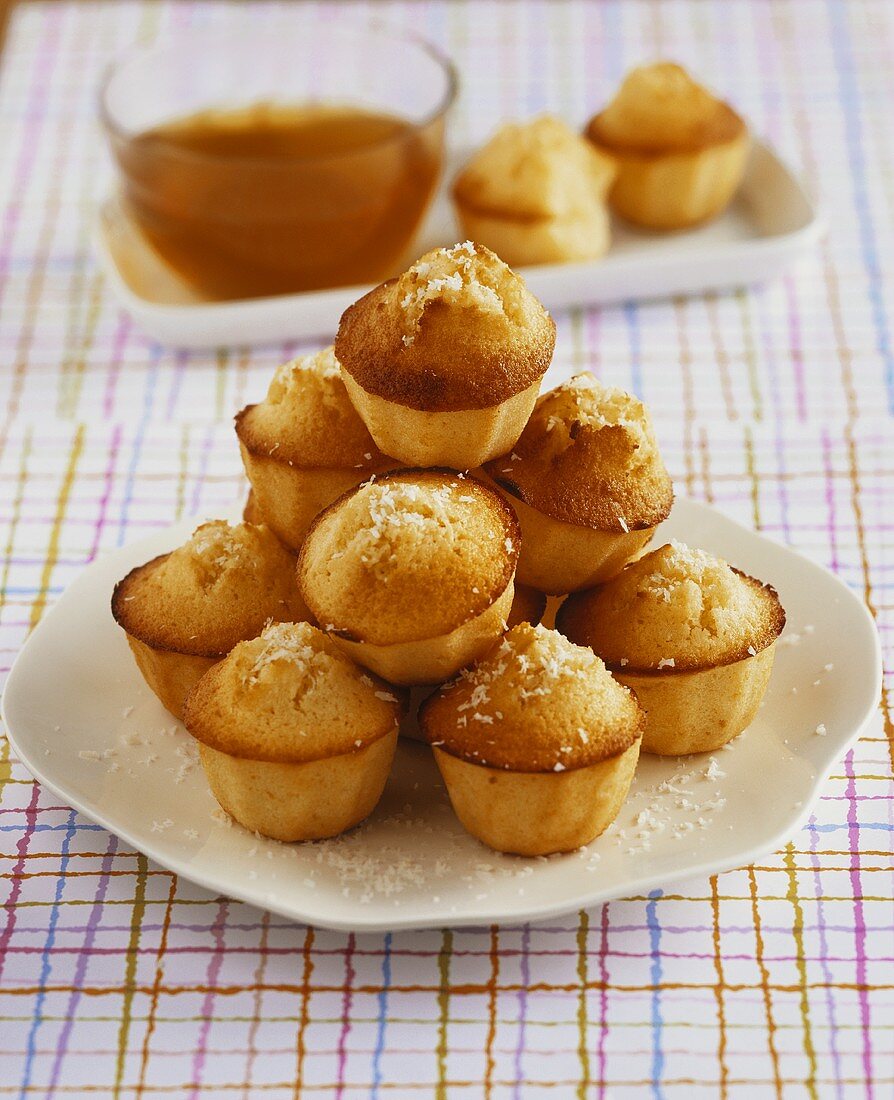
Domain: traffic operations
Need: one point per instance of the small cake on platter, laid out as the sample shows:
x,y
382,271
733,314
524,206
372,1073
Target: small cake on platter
x,y
587,482
295,740
184,611
692,636
444,363
304,445
535,193
412,573
680,152
537,743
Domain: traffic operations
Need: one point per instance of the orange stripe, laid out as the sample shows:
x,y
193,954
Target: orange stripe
x,y
156,986
719,987
491,1008
307,973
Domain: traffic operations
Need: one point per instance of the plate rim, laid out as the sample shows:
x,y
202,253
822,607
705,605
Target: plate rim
x,y
787,826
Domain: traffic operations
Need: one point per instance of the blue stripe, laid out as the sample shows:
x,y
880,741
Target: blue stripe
x,y
382,998
849,95
45,958
656,975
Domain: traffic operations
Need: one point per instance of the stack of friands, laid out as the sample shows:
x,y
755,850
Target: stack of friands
x,y
413,502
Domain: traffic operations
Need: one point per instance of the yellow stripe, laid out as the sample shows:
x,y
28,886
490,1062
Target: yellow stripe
x,y
718,990
301,1046
492,1009
40,601
750,354
798,934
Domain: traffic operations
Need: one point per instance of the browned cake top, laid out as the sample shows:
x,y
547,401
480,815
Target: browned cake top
x,y
674,610
459,330
588,456
307,419
533,170
290,696
535,702
409,556
660,109
220,587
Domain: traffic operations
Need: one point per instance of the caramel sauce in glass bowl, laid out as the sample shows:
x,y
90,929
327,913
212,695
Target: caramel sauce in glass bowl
x,y
275,195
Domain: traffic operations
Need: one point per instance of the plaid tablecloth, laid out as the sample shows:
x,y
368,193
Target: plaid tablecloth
x,y
777,979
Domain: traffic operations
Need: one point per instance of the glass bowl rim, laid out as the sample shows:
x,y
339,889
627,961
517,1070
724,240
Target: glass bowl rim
x,y
376,27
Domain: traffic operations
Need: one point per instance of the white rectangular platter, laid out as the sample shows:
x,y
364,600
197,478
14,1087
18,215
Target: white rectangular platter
x,y
80,718
769,225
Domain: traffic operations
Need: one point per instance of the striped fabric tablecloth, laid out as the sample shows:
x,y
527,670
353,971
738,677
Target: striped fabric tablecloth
x,y
772,980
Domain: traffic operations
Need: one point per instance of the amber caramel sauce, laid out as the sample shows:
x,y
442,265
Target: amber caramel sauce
x,y
276,198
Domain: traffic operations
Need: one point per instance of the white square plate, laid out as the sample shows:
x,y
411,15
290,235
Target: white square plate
x,y
770,223
81,720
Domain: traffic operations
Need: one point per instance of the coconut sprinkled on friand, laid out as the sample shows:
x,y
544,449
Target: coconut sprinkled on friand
x,y
444,363
304,445
307,419
409,556
290,695
295,740
587,482
535,702
413,572
458,330
536,742
222,586
675,609
692,636
589,457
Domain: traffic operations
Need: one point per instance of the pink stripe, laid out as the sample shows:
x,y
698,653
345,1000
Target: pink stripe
x,y
37,106
347,999
17,875
212,974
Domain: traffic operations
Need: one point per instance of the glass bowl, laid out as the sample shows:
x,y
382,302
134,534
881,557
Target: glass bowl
x,y
239,217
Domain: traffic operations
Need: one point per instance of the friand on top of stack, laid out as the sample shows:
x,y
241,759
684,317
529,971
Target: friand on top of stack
x,y
444,363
